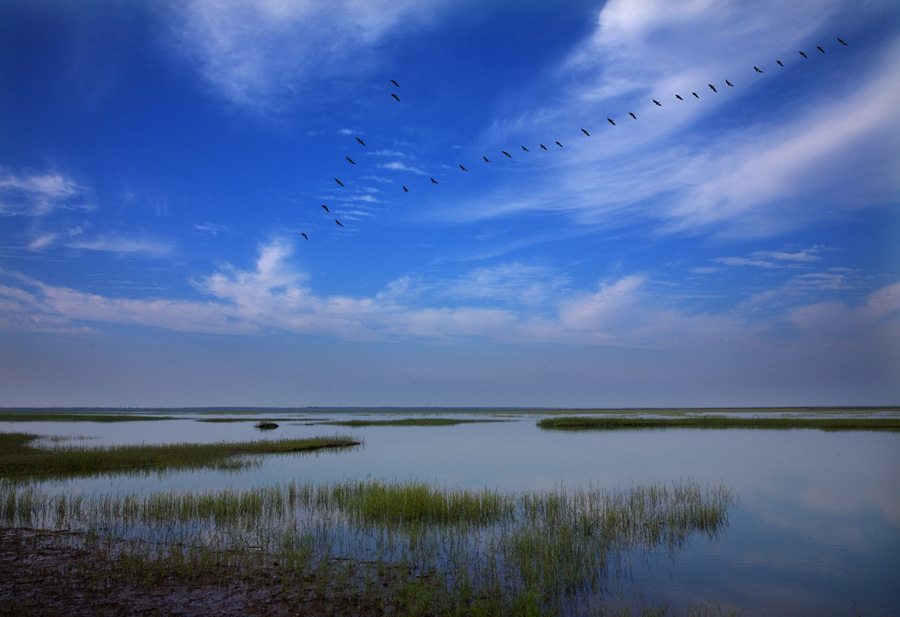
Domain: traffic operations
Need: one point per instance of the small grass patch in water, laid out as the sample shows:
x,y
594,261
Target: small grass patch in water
x,y
18,457
78,416
574,423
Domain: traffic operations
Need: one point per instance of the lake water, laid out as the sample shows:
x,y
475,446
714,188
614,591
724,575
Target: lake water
x,y
816,530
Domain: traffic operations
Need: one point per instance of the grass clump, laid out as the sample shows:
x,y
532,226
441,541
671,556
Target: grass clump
x,y
400,548
18,457
573,423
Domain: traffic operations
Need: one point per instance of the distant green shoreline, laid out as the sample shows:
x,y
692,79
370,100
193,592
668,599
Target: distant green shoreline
x,y
575,423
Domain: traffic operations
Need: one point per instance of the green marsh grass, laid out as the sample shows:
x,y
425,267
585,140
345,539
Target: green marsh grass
x,y
573,423
18,457
405,548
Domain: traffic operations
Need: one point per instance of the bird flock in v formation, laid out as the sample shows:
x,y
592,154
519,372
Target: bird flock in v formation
x,y
462,167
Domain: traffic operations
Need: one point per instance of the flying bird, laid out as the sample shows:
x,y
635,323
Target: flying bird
x,y
712,87
524,148
678,96
463,168
543,146
841,41
802,54
729,83
433,181
506,153
395,83
339,182
779,63
820,49
338,222
349,159
757,69
696,96
610,121
326,207
657,102
360,141
559,144
632,115
395,96
486,159
405,190
585,132
304,235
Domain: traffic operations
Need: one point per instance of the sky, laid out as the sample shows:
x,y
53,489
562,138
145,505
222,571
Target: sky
x,y
500,229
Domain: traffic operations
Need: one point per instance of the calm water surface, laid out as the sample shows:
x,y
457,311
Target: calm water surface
x,y
816,530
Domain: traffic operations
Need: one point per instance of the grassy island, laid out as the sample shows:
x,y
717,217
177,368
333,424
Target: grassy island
x,y
574,423
20,457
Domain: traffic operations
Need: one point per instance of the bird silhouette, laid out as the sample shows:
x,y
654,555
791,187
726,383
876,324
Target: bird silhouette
x,y
463,168
360,141
757,69
349,159
395,96
405,190
678,96
696,96
326,207
338,222
820,49
802,54
841,41
339,182
543,146
524,148
395,83
712,87
433,181
779,63
506,153
632,115
559,144
657,103
486,159
304,235
610,121
585,132
729,83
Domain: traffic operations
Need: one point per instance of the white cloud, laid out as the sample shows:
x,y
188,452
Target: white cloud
x,y
259,53
400,166
39,194
274,295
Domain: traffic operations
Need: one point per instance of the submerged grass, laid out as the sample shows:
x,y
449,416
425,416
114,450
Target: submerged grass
x,y
77,416
401,548
825,424
19,457
409,422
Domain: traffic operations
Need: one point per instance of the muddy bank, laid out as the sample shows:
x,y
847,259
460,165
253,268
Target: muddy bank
x,y
52,574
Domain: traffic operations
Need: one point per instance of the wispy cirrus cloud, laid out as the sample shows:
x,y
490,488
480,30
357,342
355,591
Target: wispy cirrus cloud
x,y
40,194
712,165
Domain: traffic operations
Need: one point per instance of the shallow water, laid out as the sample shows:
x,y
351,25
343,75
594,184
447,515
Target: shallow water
x,y
816,531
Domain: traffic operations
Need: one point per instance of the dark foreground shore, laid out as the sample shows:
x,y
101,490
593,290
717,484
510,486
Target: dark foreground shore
x,y
42,578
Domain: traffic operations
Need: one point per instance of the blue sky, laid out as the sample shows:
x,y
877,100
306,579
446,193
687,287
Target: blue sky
x,y
159,162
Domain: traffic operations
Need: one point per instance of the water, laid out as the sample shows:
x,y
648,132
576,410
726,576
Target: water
x,y
816,531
